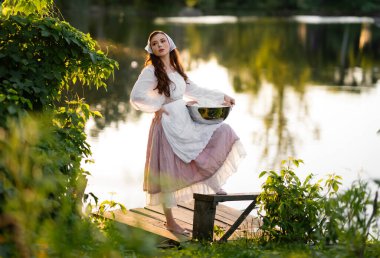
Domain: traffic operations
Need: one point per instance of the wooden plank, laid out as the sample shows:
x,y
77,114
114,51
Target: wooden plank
x,y
227,197
187,205
179,214
149,213
235,213
220,212
145,223
220,217
185,216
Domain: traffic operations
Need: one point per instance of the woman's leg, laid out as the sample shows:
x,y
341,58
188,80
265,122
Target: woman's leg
x,y
171,224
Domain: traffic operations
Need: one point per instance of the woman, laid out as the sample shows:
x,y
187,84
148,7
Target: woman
x,y
183,157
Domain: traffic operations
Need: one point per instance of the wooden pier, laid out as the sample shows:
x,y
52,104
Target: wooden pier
x,y
151,219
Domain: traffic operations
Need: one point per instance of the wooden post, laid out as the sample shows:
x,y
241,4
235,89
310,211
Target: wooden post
x,y
203,222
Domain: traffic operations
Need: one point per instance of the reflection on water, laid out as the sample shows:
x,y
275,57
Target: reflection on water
x,y
303,89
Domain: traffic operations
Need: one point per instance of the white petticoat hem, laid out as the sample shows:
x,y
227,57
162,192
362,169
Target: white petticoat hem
x,y
209,186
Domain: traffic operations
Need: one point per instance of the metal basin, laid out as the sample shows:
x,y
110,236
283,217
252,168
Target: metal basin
x,y
208,115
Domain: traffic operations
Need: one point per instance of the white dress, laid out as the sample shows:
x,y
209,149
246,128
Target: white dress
x,y
183,157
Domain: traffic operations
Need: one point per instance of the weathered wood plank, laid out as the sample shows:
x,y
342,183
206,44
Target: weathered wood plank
x,y
185,216
228,197
221,217
179,214
145,223
149,213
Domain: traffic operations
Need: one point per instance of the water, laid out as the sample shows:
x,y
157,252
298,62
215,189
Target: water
x,y
305,87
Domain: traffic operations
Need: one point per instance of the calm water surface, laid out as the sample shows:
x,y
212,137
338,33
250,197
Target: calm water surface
x,y
307,88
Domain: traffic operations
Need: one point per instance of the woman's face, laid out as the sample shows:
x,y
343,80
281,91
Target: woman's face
x,y
160,45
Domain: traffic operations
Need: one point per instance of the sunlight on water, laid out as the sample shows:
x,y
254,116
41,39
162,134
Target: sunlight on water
x,y
197,19
332,131
307,19
331,20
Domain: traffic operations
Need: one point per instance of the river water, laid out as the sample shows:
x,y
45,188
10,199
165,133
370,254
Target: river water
x,y
305,87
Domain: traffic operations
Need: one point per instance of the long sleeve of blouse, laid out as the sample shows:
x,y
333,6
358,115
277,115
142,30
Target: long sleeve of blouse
x,y
143,96
203,95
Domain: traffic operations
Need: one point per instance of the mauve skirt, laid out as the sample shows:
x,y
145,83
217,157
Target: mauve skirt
x,y
169,180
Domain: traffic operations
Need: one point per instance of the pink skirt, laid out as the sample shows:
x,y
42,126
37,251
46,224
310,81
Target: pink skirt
x,y
169,180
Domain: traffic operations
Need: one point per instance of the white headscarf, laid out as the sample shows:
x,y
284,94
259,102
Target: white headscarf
x,y
171,44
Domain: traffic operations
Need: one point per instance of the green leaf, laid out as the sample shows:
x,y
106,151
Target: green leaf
x,y
93,59
45,33
335,186
98,114
262,174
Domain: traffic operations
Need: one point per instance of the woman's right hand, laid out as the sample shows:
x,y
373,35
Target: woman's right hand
x,y
158,113
229,101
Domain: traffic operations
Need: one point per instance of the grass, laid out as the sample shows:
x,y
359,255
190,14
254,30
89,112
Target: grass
x,y
251,248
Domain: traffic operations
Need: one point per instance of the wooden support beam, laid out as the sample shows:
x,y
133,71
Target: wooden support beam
x,y
238,222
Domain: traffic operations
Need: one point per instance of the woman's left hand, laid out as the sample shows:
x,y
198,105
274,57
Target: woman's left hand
x,y
228,101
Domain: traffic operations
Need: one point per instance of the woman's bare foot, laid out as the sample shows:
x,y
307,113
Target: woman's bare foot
x,y
175,228
172,225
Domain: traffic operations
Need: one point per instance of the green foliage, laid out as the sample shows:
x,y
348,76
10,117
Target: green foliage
x,y
218,231
36,203
42,138
25,7
291,209
250,248
40,59
40,211
354,218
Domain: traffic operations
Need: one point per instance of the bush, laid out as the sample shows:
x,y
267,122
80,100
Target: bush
x,y
291,210
294,212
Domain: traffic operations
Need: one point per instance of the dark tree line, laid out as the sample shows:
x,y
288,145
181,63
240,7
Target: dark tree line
x,y
242,7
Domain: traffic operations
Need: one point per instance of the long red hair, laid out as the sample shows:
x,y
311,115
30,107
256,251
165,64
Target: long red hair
x,y
163,80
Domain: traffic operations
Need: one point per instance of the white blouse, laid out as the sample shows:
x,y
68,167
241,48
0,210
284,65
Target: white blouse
x,y
186,137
